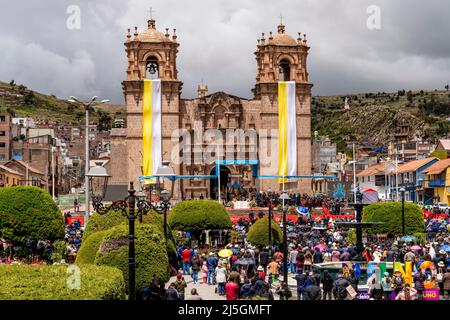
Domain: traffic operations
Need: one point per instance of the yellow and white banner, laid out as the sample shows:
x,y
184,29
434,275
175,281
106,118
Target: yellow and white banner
x,y
151,127
287,125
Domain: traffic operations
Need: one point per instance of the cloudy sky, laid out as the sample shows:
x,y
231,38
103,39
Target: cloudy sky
x,y
411,50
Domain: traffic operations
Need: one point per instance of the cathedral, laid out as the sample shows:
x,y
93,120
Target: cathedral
x,y
152,54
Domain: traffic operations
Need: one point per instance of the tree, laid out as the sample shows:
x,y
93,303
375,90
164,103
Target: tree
x,y
30,212
258,234
447,87
390,213
12,84
198,215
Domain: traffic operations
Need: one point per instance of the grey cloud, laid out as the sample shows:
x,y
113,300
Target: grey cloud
x,y
218,39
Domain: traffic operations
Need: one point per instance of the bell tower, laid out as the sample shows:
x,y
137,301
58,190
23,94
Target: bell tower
x,y
280,57
151,54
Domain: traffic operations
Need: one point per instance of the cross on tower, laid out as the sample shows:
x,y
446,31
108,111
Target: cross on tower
x,y
151,13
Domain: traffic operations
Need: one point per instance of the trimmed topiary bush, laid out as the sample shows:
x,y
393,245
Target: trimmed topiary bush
x,y
198,215
26,282
30,212
258,234
151,253
391,214
88,250
102,222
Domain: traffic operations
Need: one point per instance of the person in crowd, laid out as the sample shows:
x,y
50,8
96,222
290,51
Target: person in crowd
x,y
172,293
194,295
313,292
274,270
386,283
232,289
195,265
205,272
293,260
419,279
221,278
327,285
340,287
397,281
407,293
180,286
212,262
446,283
301,284
247,290
284,292
186,258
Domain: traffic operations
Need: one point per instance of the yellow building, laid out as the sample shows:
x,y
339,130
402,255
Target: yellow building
x,y
9,177
437,177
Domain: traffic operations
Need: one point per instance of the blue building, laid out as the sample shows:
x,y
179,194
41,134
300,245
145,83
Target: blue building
x,y
411,177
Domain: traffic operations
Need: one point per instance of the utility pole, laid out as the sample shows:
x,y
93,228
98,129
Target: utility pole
x,y
354,173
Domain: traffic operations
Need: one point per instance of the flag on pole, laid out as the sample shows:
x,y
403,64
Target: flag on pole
x,y
151,127
287,126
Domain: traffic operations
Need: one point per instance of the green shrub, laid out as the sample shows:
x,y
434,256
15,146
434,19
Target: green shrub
x,y
151,253
30,212
88,250
198,215
391,214
101,222
258,234
26,282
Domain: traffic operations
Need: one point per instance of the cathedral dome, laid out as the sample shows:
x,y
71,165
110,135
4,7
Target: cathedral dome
x,y
282,39
152,34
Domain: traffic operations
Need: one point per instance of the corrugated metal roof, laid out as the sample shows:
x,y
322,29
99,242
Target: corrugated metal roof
x,y
414,165
438,167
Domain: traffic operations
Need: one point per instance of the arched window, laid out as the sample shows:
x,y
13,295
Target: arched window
x,y
152,68
285,70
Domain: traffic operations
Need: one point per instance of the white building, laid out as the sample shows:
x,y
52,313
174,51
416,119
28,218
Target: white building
x,y
376,178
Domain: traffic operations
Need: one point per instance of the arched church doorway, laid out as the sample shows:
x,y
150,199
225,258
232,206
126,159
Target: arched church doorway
x,y
224,179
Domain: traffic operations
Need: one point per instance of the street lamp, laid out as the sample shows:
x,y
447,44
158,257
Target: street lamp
x,y
285,197
270,194
403,190
87,106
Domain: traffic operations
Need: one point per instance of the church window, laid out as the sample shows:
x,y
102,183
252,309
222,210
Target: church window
x,y
285,70
152,68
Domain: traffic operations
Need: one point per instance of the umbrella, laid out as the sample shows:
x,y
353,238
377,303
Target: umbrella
x,y
322,246
446,248
244,262
416,247
292,235
408,239
225,253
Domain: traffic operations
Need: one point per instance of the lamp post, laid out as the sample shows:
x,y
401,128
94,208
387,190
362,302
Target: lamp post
x,y
270,193
285,197
402,190
87,106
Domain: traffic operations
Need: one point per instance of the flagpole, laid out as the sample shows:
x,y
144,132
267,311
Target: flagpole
x,y
218,173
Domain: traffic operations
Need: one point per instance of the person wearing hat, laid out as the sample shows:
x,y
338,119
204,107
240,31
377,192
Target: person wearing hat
x,y
386,283
180,286
261,273
440,276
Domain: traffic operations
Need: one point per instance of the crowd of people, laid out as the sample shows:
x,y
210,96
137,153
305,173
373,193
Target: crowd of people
x,y
251,272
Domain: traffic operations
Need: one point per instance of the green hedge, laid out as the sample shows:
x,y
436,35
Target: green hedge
x,y
198,215
26,282
151,253
102,222
258,234
391,214
30,212
88,250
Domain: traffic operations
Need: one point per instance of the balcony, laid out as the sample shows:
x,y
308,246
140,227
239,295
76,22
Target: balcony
x,y
436,183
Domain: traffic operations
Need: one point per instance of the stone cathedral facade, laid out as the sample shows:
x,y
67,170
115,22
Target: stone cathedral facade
x,y
153,54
